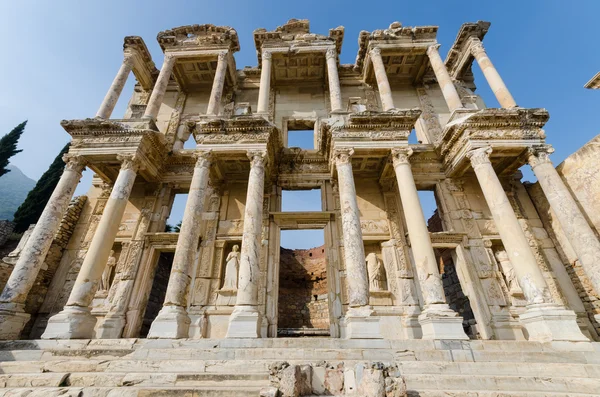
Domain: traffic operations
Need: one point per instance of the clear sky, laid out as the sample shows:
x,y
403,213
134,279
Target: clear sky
x,y
61,56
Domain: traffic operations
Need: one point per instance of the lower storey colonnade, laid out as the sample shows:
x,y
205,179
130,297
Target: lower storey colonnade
x,y
367,303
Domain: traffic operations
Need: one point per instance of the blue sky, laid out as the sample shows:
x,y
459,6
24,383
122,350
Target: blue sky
x,y
60,57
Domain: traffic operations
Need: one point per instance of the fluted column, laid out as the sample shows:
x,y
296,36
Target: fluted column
x,y
160,87
437,321
572,221
12,301
491,74
265,84
75,320
383,84
172,320
245,319
335,93
112,96
354,250
544,319
217,87
443,77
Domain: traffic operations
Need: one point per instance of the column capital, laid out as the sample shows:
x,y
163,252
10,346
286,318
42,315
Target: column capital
x,y
375,51
476,47
480,155
204,158
401,155
129,162
433,48
267,55
342,155
74,162
222,56
539,155
331,53
128,59
258,158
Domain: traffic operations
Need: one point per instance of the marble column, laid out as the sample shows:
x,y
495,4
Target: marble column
x,y
360,322
335,93
112,96
173,320
437,320
491,75
12,300
75,321
383,84
217,87
265,84
544,320
160,87
245,319
575,226
444,80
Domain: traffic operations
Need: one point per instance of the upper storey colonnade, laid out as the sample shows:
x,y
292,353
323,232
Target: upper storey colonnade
x,y
201,54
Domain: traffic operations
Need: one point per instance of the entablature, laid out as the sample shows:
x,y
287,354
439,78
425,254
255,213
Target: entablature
x,y
459,59
144,68
509,132
101,142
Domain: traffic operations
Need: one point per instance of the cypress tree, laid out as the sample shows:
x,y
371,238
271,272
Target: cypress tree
x,y
8,146
29,212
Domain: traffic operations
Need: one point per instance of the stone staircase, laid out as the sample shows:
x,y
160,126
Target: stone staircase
x,y
236,367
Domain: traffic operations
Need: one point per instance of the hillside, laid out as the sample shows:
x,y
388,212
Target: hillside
x,y
14,187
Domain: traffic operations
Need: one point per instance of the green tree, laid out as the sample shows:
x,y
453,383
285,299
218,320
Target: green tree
x,y
8,146
29,212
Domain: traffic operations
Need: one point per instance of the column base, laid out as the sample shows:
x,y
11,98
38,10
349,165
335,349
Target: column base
x,y
73,322
110,327
172,322
362,324
244,323
12,321
548,322
441,322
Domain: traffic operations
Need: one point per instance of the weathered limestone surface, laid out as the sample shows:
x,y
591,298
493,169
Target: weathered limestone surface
x,y
498,293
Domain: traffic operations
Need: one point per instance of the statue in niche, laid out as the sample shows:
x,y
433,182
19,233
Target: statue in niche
x,y
509,272
110,264
376,273
231,269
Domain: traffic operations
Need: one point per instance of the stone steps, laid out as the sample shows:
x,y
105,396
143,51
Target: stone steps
x,y
240,367
209,391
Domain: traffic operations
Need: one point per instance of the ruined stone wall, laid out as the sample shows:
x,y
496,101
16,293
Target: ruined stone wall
x,y
589,297
303,289
6,228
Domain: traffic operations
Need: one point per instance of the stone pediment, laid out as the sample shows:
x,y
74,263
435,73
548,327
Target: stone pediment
x,y
191,37
396,36
508,131
295,34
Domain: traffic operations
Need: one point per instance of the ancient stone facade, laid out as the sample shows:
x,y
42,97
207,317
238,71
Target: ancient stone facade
x,y
502,261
